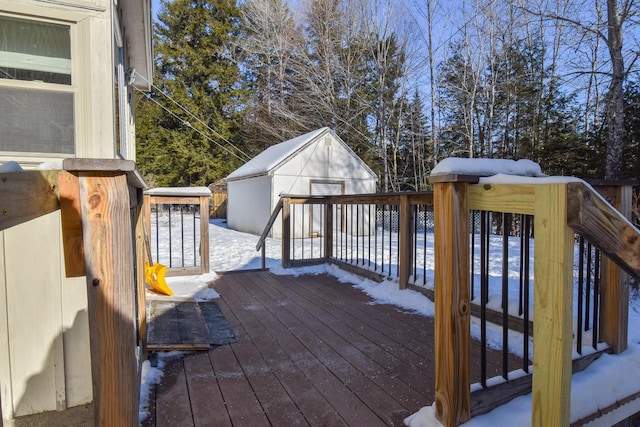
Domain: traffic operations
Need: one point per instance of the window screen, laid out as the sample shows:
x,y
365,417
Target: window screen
x,y
36,121
34,51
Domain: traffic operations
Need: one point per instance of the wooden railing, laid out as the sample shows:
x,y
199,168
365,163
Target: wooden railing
x,y
100,203
557,211
185,214
557,208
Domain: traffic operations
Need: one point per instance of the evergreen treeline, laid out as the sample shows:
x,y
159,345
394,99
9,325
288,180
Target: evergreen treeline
x,y
502,85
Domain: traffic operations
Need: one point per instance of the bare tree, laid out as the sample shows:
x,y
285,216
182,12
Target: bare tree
x,y
610,30
269,46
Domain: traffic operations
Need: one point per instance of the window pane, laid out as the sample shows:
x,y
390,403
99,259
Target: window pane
x,y
36,121
34,51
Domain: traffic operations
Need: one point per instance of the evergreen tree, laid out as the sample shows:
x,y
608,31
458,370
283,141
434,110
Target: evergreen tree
x,y
631,151
195,69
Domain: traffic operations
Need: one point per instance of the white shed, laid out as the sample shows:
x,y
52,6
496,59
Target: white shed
x,y
316,163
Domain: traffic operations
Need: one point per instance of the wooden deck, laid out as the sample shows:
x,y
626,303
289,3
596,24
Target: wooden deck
x,y
310,351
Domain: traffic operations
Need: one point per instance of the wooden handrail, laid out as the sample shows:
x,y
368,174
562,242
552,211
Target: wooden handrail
x,y
267,228
605,227
196,196
27,195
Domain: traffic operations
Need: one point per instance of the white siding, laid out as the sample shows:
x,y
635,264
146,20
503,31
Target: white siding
x,y
44,326
45,361
324,158
248,204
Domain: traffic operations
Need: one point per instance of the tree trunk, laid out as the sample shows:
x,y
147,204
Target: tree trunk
x,y
615,107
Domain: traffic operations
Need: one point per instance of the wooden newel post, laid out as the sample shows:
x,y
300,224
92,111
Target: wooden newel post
x,y
614,287
452,303
205,201
104,202
328,229
286,232
406,241
553,311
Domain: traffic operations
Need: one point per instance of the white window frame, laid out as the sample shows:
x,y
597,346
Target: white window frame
x,y
79,30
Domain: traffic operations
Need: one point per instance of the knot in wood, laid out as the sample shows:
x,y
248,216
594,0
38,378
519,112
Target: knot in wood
x,y
94,200
463,308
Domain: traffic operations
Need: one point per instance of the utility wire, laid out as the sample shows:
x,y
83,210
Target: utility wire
x,y
186,123
247,157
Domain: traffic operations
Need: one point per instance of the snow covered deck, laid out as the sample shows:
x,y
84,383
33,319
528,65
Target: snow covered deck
x,y
310,351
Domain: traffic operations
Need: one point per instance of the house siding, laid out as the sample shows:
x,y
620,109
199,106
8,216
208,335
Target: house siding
x,y
45,362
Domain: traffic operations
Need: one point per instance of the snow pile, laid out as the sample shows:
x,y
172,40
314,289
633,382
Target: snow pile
x,y
487,167
11,166
196,287
386,292
150,376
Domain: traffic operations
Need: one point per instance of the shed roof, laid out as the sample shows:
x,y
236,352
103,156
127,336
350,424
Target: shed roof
x,y
277,154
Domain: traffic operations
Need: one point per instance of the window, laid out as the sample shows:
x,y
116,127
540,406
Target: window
x,y
37,107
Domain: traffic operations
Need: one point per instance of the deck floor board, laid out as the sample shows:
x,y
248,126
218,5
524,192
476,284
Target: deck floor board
x,y
310,351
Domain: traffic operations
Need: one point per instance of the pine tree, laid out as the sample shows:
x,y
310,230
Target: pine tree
x,y
189,126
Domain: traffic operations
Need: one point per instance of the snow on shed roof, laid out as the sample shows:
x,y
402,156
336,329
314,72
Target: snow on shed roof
x,y
274,155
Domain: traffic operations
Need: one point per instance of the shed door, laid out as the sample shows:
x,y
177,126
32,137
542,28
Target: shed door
x,y
324,188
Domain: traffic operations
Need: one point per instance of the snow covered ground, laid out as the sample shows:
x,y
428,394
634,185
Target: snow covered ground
x,y
606,381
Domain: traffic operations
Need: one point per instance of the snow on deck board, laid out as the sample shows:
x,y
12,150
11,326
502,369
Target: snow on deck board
x,y
310,351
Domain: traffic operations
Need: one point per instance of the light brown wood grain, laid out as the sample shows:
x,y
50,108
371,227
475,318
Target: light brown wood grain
x,y
71,224
506,198
614,286
140,280
553,314
604,227
27,195
107,233
452,303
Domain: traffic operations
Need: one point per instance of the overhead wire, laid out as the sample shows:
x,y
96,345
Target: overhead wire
x,y
189,113
186,123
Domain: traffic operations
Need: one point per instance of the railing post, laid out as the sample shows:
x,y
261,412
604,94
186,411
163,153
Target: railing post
x,y
452,304
406,243
286,232
109,259
140,278
328,229
614,288
553,311
204,234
